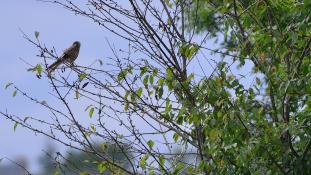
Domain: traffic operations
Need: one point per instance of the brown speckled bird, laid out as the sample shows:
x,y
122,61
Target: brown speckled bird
x,y
69,55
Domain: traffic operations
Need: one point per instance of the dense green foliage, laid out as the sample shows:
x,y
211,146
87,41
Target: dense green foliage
x,y
264,128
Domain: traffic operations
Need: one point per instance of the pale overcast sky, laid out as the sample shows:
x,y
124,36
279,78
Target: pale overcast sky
x,y
58,27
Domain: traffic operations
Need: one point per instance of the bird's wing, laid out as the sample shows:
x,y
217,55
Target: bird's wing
x,y
66,53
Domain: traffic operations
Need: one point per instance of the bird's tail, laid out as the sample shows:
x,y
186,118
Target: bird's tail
x,y
53,66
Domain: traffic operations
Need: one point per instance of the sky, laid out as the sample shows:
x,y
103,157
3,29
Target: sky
x,y
58,27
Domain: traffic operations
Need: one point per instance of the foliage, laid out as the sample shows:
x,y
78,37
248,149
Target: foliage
x,y
271,134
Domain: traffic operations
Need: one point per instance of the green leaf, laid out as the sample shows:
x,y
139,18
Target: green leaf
x,y
151,79
175,137
190,77
82,76
57,172
170,85
91,112
126,106
145,81
37,34
162,160
180,120
168,3
88,134
84,173
104,146
160,93
122,75
126,94
178,168
139,92
101,168
94,161
202,165
15,126
150,143
214,133
8,85
151,171
93,128
169,74
160,81
143,160
235,83
143,70
77,94
155,72
39,69
191,51
14,93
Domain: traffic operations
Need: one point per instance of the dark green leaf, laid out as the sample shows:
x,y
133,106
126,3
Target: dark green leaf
x,y
151,79
15,126
155,72
160,93
139,92
8,85
150,143
14,93
162,160
91,112
175,137
143,70
122,75
37,34
145,81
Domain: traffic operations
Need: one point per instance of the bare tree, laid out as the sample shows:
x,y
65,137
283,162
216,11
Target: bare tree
x,y
132,93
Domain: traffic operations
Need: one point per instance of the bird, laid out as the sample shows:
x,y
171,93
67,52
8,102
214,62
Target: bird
x,y
69,56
